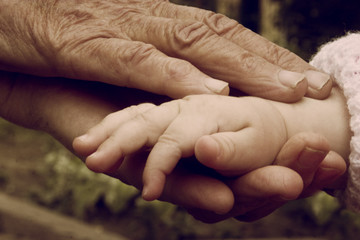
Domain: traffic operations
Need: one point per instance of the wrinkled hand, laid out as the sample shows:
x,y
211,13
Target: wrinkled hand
x,y
304,166
151,45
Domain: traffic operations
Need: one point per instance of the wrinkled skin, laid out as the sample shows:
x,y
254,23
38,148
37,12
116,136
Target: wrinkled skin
x,y
152,45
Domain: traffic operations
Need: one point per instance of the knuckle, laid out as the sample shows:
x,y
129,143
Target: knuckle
x,y
250,63
143,118
177,70
284,58
139,110
133,56
109,118
220,24
137,53
143,107
273,53
123,15
175,77
189,33
169,139
128,113
170,142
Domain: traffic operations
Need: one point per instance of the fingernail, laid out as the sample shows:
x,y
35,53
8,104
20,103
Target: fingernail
x,y
290,79
93,156
82,138
145,194
310,158
217,86
327,174
317,80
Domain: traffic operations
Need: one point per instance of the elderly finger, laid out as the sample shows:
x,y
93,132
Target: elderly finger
x,y
202,192
303,153
139,65
285,183
218,57
183,188
308,154
320,83
254,200
329,176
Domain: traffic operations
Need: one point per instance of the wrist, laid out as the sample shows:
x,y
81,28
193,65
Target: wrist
x,y
328,117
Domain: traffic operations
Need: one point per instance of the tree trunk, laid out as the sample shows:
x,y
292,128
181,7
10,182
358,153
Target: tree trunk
x,y
269,15
229,8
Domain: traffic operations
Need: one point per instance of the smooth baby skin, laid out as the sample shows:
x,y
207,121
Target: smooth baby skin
x,y
198,124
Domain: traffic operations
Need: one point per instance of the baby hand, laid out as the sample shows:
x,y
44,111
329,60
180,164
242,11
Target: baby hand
x,y
181,128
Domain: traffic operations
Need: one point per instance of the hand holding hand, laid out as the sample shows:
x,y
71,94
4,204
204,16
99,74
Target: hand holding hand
x,y
175,130
245,198
67,110
303,167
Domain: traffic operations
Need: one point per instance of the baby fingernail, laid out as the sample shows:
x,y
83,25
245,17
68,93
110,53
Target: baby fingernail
x,y
145,193
94,155
217,86
317,80
82,138
290,79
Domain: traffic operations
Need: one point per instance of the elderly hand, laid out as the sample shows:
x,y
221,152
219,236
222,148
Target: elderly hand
x,y
151,45
303,167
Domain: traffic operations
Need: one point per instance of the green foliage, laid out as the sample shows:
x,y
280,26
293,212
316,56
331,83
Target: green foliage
x,y
72,188
322,207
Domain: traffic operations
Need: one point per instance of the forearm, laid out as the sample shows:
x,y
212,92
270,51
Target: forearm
x,y
62,107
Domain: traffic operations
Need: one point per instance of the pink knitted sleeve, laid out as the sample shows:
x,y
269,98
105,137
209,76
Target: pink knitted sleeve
x,y
341,58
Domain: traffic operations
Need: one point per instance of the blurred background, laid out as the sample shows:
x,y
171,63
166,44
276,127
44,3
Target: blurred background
x,y
301,26
34,167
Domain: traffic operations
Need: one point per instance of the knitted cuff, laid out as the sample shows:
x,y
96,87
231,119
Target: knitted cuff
x,y
341,59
